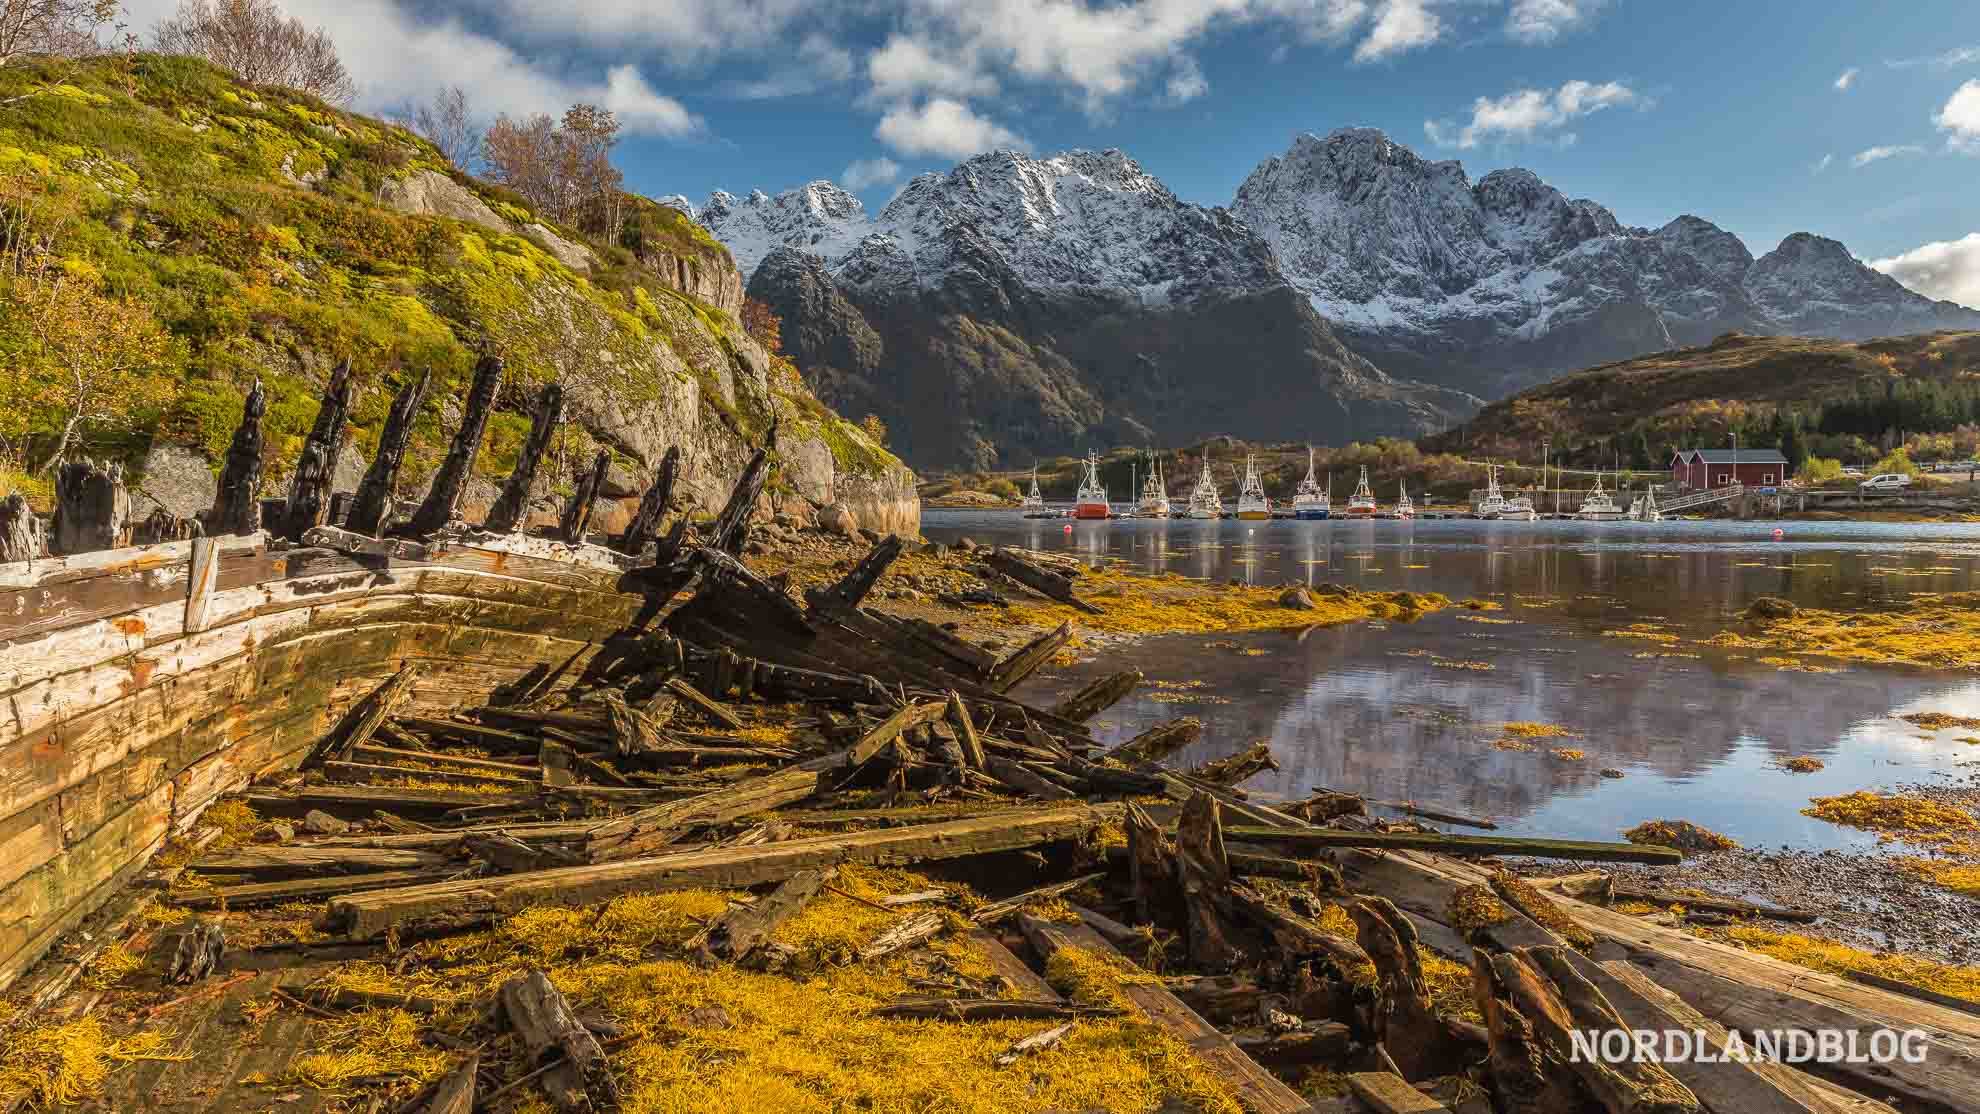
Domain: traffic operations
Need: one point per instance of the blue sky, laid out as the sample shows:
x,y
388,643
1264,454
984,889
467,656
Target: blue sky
x,y
1734,110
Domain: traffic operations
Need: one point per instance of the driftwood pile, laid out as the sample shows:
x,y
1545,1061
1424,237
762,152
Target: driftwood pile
x,y
742,736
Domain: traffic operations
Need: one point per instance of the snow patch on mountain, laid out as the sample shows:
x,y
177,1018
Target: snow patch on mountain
x,y
1083,220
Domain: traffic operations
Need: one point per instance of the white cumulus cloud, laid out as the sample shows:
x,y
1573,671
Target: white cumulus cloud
x,y
1847,79
1543,21
1961,118
1878,154
1822,163
1947,269
867,173
1526,113
397,58
1400,26
942,126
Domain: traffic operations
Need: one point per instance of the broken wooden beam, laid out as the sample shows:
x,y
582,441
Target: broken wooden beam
x,y
1305,839
680,687
309,488
371,511
1159,741
851,590
1048,584
732,525
237,500
20,530
743,928
92,509
653,506
578,1078
889,729
367,915
647,829
1026,659
1238,767
1098,696
362,721
511,510
443,499
253,895
1384,1092
1257,1089
576,520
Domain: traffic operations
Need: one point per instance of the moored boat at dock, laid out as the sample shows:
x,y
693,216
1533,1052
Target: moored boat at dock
x,y
1597,506
1204,502
1362,503
1092,499
1154,492
1310,501
1252,503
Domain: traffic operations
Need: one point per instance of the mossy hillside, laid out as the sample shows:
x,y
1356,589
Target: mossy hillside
x,y
247,221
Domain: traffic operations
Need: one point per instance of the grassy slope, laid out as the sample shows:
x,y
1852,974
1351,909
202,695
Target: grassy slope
x,y
184,190
1675,394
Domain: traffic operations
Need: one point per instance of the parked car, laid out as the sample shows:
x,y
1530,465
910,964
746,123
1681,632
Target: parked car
x,y
1886,481
1848,471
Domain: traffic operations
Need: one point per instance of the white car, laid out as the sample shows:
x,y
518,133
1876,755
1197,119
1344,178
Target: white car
x,y
1886,481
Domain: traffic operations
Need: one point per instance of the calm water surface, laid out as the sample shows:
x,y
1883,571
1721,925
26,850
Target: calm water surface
x,y
1410,711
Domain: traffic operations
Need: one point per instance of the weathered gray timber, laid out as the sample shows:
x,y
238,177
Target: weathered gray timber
x,y
92,509
309,489
577,515
511,509
237,501
371,511
450,481
367,915
20,530
653,506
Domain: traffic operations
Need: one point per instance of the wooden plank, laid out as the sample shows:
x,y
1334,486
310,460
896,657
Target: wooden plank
x,y
289,861
1006,964
1308,839
1385,1092
1048,584
681,688
889,729
367,915
202,579
1025,661
1256,1088
1725,1087
248,895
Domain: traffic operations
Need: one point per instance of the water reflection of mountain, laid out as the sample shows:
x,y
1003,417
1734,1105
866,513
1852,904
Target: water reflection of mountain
x,y
1400,713
1371,710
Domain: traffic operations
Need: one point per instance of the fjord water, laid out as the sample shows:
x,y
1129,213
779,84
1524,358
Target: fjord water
x,y
1410,711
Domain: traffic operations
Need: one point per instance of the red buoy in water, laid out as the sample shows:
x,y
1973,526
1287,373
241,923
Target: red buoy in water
x,y
1777,533
1068,527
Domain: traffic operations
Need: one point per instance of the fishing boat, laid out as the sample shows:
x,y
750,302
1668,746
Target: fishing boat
x,y
1309,501
1494,503
1519,508
1596,506
1404,508
1362,503
1092,499
1644,508
1252,503
1154,493
1204,502
1034,502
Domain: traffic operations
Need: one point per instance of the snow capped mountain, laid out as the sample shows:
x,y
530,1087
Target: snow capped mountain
x,y
818,217
1499,283
1089,221
1017,306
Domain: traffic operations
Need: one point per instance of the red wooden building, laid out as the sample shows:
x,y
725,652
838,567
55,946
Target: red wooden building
x,y
1698,469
